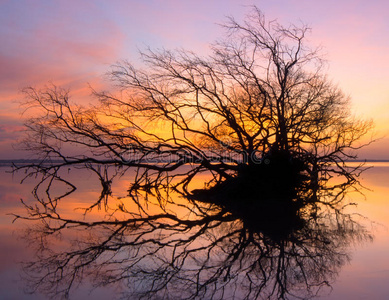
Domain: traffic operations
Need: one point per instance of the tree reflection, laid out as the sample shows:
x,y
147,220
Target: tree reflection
x,y
209,245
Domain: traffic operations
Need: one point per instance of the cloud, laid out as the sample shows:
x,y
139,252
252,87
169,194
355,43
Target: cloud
x,y
50,42
9,132
10,128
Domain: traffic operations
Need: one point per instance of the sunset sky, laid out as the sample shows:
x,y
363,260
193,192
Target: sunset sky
x,y
73,43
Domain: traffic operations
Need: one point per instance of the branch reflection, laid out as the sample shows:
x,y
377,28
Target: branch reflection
x,y
207,245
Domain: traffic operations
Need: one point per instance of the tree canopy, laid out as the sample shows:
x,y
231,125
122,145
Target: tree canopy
x,y
263,90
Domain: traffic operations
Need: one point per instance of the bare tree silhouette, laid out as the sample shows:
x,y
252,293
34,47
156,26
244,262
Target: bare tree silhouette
x,y
260,95
257,122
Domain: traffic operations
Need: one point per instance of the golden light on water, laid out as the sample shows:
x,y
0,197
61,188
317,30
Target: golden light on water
x,y
369,262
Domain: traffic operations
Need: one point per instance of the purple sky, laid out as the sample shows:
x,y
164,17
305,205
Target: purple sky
x,y
72,43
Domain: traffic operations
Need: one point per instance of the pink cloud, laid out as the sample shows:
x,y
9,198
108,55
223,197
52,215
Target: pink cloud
x,y
8,132
56,43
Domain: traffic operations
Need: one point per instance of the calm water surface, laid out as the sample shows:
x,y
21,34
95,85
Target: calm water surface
x,y
365,277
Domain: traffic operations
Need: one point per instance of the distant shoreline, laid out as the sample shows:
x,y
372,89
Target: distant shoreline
x,y
10,162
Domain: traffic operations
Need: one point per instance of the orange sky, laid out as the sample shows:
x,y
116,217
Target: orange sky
x,y
72,43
